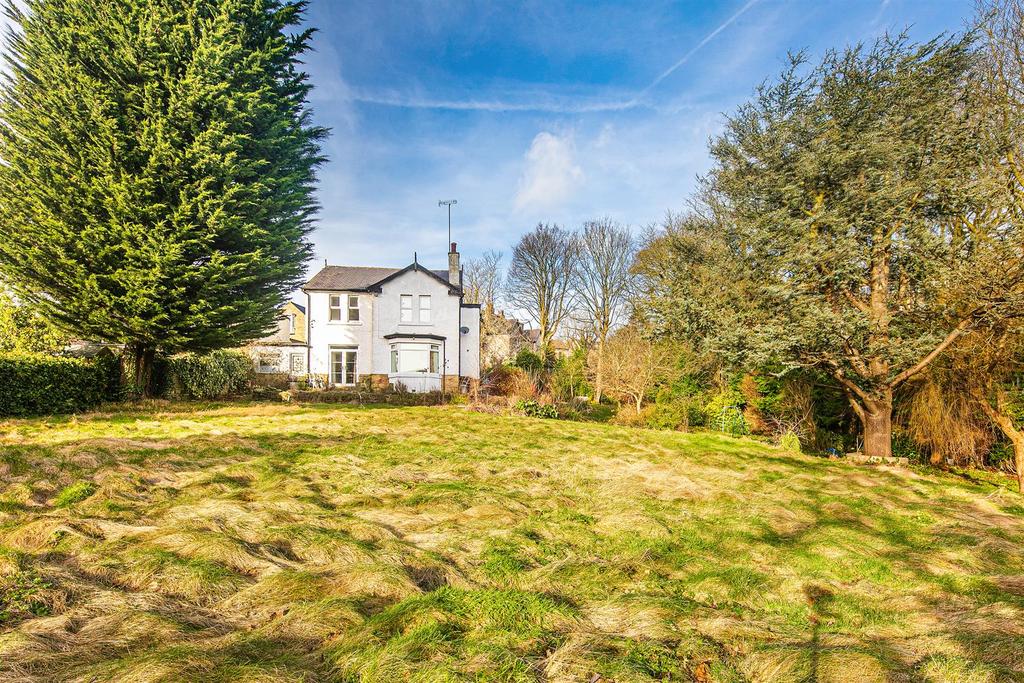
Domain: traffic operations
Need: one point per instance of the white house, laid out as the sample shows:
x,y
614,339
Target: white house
x,y
389,326
284,350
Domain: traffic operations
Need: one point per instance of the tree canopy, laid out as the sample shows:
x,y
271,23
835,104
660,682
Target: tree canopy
x,y
840,220
158,167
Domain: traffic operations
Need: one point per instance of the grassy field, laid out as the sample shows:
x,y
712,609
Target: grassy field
x,y
284,543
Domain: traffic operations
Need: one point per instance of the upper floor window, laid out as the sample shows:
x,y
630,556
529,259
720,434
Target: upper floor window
x,y
419,314
335,304
291,323
353,308
406,308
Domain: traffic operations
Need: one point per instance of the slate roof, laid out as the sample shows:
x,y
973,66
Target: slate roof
x,y
356,278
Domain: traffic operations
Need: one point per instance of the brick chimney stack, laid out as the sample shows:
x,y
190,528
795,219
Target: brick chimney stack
x,y
454,269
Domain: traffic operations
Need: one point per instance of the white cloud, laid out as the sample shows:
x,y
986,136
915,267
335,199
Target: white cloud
x,y
551,174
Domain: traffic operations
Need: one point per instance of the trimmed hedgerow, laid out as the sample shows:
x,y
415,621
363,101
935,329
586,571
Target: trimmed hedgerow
x,y
214,375
44,385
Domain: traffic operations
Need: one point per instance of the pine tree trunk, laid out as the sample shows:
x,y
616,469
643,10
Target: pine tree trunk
x,y
877,421
143,375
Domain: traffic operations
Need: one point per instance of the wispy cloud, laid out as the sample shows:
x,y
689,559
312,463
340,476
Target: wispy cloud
x,y
553,104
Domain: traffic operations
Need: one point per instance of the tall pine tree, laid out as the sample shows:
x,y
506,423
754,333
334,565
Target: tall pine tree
x,y
158,167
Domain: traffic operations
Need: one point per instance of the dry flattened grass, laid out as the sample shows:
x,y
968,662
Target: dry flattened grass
x,y
284,543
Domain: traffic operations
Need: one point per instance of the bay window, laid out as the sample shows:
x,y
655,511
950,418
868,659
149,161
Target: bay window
x,y
416,358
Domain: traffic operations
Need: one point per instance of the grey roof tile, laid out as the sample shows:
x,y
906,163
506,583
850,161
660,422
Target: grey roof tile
x,y
354,278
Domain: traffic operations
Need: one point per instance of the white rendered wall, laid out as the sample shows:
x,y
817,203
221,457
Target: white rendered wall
x,y
469,343
444,318
380,315
325,333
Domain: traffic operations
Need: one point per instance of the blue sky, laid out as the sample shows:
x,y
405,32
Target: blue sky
x,y
544,111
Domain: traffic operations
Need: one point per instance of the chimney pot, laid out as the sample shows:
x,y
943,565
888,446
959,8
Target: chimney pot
x,y
455,249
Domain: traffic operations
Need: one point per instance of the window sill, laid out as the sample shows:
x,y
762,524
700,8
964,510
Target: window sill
x,y
356,323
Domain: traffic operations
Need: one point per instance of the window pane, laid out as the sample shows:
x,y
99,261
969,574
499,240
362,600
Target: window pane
x,y
407,301
336,368
394,360
435,359
425,309
335,314
353,308
350,367
414,358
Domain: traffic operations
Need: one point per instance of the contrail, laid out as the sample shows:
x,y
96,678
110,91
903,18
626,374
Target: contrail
x,y
696,48
565,107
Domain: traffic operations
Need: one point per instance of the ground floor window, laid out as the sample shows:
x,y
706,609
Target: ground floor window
x,y
424,358
343,366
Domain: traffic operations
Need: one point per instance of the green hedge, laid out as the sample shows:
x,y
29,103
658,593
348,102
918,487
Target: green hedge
x,y
43,385
215,375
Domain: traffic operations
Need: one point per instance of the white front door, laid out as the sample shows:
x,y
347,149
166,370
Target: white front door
x,y
343,367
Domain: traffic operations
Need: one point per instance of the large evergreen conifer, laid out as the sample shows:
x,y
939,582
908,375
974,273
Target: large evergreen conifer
x,y
158,164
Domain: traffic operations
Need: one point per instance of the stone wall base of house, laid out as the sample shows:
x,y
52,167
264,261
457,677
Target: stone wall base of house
x,y
452,385
379,382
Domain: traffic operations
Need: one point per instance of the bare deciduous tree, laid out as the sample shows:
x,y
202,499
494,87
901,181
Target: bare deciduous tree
x,y
603,283
632,365
483,280
541,277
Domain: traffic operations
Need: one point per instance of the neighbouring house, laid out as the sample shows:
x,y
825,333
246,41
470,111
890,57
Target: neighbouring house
x,y
284,350
402,327
560,348
502,338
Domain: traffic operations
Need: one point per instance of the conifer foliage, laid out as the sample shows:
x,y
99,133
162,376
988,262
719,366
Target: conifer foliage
x,y
158,167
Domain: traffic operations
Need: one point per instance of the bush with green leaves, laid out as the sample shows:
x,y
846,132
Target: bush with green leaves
x,y
536,409
790,441
568,377
43,385
528,360
215,375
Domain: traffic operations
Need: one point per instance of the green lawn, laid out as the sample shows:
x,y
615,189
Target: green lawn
x,y
322,543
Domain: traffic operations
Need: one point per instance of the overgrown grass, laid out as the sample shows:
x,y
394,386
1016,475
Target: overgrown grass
x,y
324,543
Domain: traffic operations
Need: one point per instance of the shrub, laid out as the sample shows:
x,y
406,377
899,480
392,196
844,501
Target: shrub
x,y
528,360
533,408
215,375
790,441
628,417
671,415
568,377
43,385
499,380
